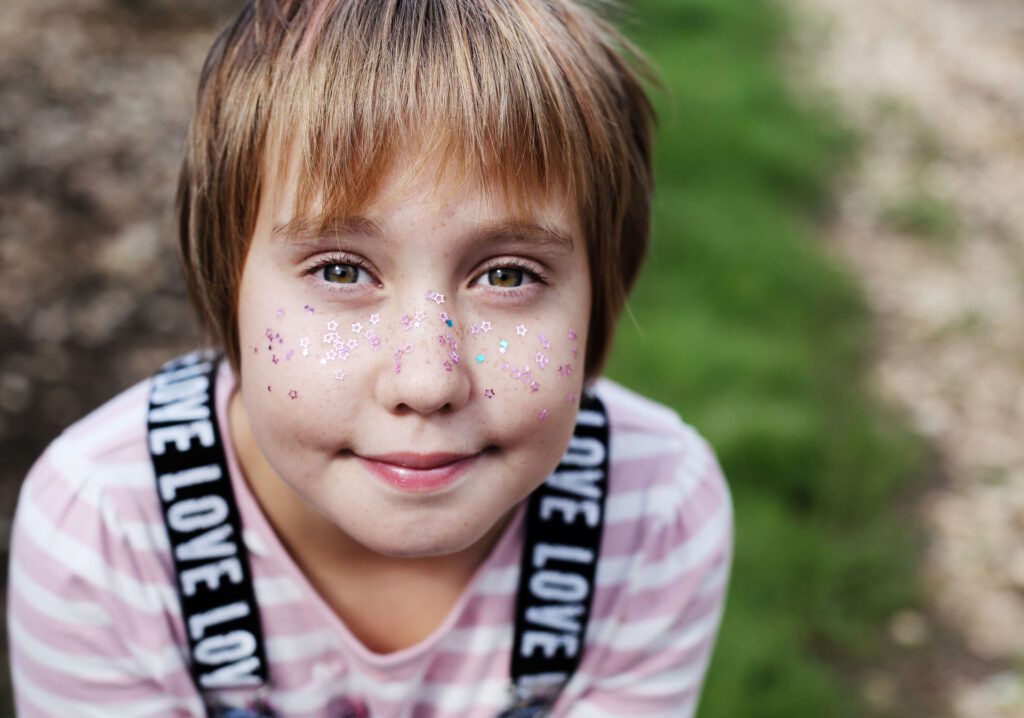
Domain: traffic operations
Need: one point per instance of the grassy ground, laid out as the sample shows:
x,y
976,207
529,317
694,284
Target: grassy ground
x,y
748,328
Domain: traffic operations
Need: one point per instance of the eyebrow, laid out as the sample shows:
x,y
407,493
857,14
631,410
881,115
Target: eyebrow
x,y
309,230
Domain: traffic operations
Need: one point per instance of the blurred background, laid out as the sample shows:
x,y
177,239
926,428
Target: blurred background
x,y
835,299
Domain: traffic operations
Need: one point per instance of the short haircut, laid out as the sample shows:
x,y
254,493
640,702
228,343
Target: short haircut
x,y
534,94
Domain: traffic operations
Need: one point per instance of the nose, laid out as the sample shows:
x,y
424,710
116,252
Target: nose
x,y
425,373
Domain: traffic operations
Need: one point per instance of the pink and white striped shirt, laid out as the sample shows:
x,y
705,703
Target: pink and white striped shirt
x,y
95,624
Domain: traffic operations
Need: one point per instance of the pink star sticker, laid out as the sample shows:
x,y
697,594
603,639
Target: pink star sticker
x,y
292,394
489,393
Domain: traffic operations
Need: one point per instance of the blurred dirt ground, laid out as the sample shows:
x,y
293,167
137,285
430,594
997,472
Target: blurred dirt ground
x,y
94,100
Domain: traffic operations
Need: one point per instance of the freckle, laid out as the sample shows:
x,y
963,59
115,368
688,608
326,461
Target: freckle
x,y
255,350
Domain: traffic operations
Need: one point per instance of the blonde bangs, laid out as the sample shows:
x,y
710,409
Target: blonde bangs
x,y
491,91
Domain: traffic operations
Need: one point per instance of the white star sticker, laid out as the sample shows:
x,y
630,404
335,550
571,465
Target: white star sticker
x,y
374,319
332,325
357,327
521,330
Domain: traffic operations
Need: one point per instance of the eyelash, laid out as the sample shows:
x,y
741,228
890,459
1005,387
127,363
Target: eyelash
x,y
319,265
530,269
511,263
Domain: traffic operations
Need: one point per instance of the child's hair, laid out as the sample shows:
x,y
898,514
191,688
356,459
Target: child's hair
x,y
532,94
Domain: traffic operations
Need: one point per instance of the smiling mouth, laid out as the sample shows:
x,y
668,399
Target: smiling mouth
x,y
419,473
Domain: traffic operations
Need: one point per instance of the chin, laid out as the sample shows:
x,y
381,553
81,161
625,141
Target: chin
x,y
424,541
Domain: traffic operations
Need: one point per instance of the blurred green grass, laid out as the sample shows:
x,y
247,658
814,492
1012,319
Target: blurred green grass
x,y
746,326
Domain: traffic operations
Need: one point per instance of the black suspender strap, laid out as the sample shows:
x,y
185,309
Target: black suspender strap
x,y
564,523
214,580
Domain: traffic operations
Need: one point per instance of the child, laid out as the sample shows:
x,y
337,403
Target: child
x,y
410,226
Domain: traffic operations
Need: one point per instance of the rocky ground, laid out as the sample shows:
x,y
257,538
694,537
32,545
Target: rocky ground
x,y
932,221
94,99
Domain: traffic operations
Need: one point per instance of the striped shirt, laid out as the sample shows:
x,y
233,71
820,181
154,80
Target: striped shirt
x,y
95,623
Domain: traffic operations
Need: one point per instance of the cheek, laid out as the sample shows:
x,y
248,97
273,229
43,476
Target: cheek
x,y
532,366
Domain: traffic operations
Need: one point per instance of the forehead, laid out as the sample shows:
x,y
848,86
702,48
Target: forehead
x,y
418,187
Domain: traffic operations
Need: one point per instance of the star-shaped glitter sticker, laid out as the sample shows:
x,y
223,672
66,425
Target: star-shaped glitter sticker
x,y
438,298
329,338
332,325
544,414
340,375
535,387
485,326
565,369
521,330
357,327
544,341
418,317
374,319
475,329
279,313
304,342
489,393
292,394
406,321
542,361
572,335
352,343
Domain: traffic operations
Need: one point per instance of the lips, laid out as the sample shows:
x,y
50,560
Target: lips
x,y
419,473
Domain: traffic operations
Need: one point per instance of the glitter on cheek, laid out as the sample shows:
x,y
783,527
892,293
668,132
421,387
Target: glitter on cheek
x,y
340,375
521,330
308,309
292,394
485,326
570,398
279,313
572,335
276,359
480,358
289,355
543,415
374,319
535,387
447,366
489,393
357,327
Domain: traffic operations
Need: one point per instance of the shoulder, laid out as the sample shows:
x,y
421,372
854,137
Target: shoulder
x,y
659,460
88,510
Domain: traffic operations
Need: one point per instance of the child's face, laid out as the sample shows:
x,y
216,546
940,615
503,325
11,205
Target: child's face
x,y
417,373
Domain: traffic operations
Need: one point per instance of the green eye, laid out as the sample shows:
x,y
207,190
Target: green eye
x,y
341,273
505,277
